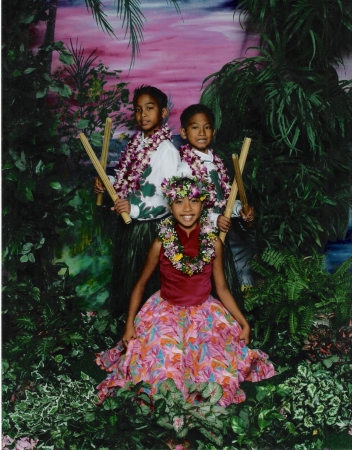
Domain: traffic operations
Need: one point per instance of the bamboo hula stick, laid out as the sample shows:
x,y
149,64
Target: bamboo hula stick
x,y
241,191
234,189
104,153
104,178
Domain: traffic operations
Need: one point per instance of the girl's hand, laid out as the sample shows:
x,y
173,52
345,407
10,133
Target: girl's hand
x,y
98,186
245,334
121,205
249,217
129,333
223,223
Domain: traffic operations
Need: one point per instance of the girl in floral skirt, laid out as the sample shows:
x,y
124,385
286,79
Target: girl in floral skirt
x,y
182,332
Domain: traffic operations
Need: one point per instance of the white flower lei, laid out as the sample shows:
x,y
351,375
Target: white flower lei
x,y
133,162
199,170
173,249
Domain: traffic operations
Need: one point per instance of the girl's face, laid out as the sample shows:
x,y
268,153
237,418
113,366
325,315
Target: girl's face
x,y
187,211
198,132
148,115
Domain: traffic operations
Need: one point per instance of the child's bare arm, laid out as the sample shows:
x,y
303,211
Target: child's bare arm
x,y
138,290
225,295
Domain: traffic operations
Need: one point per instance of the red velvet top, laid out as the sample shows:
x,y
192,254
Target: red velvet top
x,y
178,288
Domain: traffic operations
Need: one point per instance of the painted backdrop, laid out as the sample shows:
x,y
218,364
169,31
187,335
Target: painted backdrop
x,y
178,52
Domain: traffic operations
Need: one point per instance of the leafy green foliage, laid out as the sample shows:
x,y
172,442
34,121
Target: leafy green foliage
x,y
317,399
291,291
97,94
173,413
289,100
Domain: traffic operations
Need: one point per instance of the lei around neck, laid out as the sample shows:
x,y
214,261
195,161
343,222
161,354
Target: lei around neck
x,y
199,170
173,250
134,160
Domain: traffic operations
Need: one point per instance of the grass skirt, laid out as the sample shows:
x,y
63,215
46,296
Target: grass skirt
x,y
188,344
132,243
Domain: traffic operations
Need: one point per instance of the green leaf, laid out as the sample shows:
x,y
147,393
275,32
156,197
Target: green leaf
x,y
66,58
29,70
27,20
83,123
167,386
264,419
213,392
68,221
113,420
59,358
42,93
238,425
31,257
55,185
96,139
29,195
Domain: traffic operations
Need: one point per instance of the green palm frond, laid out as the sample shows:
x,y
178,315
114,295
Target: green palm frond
x,y
132,20
318,32
96,8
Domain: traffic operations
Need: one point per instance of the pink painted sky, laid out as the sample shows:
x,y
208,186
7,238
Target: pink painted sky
x,y
177,52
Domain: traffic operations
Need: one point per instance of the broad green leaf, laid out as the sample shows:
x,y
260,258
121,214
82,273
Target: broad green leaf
x,y
238,425
83,123
55,185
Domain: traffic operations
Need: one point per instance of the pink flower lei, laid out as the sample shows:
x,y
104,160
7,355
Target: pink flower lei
x,y
173,249
133,162
199,170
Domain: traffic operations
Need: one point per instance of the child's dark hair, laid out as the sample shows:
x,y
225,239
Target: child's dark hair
x,y
154,92
192,110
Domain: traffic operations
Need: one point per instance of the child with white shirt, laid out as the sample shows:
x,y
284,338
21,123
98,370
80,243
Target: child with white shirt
x,y
149,157
197,159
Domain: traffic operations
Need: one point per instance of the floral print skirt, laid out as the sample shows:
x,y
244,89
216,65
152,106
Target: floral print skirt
x,y
188,344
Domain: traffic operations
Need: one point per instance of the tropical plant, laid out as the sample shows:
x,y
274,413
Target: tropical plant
x,y
329,345
131,419
289,100
318,399
260,421
291,291
96,94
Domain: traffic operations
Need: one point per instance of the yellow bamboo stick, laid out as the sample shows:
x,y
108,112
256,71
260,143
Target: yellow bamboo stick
x,y
104,178
234,189
104,154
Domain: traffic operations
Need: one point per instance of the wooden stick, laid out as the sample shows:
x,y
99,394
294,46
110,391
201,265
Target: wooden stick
x,y
104,154
241,191
234,189
104,178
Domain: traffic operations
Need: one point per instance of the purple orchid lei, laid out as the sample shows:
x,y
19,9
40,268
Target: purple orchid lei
x,y
133,162
173,249
199,170
180,187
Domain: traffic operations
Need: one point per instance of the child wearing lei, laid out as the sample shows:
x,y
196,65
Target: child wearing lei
x,y
182,332
197,159
148,158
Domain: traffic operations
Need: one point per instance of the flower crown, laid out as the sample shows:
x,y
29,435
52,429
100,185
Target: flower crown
x,y
184,186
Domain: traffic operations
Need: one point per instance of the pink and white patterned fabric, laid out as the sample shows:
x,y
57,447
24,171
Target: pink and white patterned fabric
x,y
190,344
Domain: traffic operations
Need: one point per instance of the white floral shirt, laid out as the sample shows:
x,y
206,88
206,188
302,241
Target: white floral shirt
x,y
147,202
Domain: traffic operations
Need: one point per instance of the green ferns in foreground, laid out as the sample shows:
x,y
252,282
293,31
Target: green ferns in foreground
x,y
291,291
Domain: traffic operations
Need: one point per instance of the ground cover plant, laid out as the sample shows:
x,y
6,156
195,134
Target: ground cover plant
x,y
298,113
